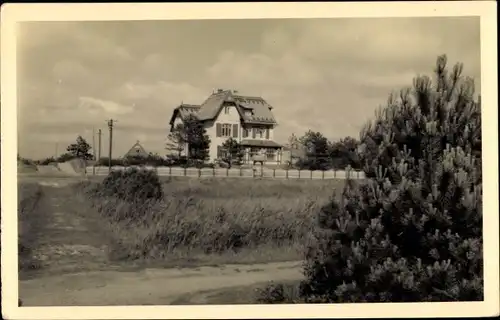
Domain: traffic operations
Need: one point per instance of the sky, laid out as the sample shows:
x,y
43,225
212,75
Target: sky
x,y
328,75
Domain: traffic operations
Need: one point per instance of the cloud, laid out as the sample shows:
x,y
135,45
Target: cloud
x,y
262,70
94,105
327,75
276,42
167,94
69,70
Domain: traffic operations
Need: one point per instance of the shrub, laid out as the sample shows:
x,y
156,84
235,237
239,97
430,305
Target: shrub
x,y
65,157
114,162
46,161
279,293
184,162
132,185
413,231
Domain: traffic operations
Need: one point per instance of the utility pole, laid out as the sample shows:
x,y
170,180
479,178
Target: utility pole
x,y
99,133
93,143
55,156
110,122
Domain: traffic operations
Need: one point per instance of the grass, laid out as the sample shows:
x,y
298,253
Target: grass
x,y
215,220
252,294
29,195
198,222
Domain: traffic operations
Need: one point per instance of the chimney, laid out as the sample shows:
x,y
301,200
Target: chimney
x,y
219,90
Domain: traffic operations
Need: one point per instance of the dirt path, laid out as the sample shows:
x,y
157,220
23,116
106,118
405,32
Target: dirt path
x,y
67,236
71,245
149,286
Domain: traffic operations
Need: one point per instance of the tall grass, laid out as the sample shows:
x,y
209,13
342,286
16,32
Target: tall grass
x,y
213,216
29,195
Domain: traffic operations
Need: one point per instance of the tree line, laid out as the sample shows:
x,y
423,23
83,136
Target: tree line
x,y
311,151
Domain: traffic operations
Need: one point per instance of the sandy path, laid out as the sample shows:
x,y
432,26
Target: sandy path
x,y
149,286
68,239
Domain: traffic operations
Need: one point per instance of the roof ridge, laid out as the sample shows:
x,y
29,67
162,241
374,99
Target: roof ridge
x,y
137,143
248,97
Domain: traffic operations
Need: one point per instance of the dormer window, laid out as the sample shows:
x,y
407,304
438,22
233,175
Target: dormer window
x,y
260,133
226,110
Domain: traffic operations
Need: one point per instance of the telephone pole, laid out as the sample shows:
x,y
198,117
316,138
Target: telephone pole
x,y
93,143
99,133
110,122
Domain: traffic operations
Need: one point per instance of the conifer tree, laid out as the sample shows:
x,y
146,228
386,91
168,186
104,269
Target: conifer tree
x,y
413,230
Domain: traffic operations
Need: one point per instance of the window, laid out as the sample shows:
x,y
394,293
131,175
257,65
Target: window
x,y
260,133
221,152
226,130
226,110
254,151
246,132
270,153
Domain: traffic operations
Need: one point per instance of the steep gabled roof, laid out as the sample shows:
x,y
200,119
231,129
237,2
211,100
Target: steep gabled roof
x,y
137,150
184,110
211,107
259,110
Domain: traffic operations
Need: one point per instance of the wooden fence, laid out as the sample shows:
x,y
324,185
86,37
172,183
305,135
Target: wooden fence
x,y
241,173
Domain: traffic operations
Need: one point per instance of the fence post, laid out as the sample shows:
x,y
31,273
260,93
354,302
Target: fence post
x,y
199,172
213,171
227,172
274,173
170,171
286,173
299,173
311,174
185,171
357,174
241,173
322,174
334,173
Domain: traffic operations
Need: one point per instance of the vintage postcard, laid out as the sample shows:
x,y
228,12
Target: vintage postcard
x,y
249,160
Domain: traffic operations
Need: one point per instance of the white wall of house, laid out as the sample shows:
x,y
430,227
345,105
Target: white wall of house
x,y
228,116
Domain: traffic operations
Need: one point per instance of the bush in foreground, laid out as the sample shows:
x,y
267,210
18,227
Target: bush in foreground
x,y
413,231
132,185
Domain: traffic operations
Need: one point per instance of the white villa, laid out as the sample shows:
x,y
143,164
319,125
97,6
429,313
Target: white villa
x,y
225,114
